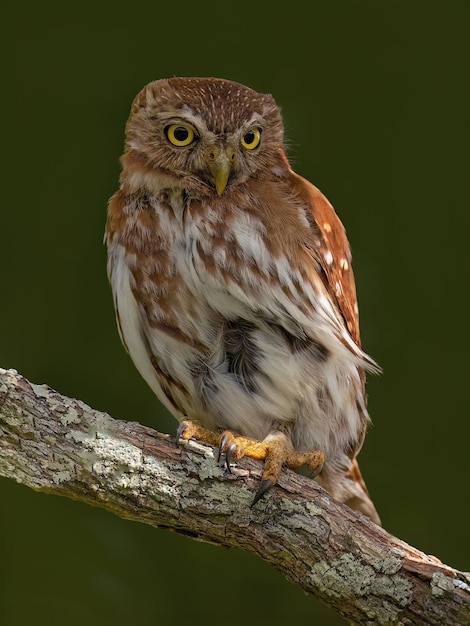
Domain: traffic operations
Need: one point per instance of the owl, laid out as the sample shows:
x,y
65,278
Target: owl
x,y
232,284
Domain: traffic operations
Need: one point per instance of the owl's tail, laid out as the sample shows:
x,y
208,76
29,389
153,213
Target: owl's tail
x,y
350,489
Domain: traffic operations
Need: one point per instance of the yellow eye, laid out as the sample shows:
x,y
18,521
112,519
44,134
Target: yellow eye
x,y
179,135
251,138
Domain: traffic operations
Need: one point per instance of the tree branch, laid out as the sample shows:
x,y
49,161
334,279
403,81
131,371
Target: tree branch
x,y
60,445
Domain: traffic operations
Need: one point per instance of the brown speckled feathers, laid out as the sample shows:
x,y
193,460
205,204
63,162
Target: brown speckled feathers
x,y
232,282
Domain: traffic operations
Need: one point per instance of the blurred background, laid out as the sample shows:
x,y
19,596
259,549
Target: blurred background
x,y
375,102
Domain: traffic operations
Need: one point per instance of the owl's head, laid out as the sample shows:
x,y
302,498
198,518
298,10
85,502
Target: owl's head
x,y
205,133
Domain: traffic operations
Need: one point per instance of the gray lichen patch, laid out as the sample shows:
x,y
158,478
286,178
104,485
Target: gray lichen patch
x,y
208,468
313,524
442,584
220,493
313,509
106,457
100,440
42,391
71,417
389,564
347,576
62,476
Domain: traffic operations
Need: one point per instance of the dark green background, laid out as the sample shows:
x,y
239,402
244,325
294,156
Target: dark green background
x,y
375,102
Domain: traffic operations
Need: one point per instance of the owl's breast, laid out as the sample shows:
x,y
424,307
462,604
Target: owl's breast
x,y
212,333
159,320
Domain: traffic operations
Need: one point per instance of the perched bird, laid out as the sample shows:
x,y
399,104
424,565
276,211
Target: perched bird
x,y
233,287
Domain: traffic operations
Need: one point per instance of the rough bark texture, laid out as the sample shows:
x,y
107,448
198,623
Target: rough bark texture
x,y
60,445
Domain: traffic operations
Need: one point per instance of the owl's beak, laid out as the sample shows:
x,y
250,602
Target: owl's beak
x,y
219,161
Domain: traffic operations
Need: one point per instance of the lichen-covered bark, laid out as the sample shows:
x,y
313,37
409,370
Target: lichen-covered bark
x,y
59,445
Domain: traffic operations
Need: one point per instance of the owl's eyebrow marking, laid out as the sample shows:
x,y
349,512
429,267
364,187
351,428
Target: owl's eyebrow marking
x,y
183,114
256,120
188,114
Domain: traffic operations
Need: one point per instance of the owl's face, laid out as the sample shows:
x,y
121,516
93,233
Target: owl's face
x,y
205,133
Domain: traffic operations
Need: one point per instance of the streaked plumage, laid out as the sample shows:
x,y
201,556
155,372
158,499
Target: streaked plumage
x,y
232,277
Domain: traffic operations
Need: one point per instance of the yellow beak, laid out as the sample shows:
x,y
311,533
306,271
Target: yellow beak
x,y
220,161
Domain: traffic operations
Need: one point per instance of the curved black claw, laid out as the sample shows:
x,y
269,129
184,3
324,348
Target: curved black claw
x,y
179,431
222,444
263,488
229,455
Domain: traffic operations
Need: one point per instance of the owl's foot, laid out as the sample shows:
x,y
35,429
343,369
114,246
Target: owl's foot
x,y
188,429
276,450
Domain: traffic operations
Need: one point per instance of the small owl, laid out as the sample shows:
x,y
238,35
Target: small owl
x,y
233,287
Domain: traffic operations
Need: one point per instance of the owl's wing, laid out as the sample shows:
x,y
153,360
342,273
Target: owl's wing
x,y
333,255
334,258
288,260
